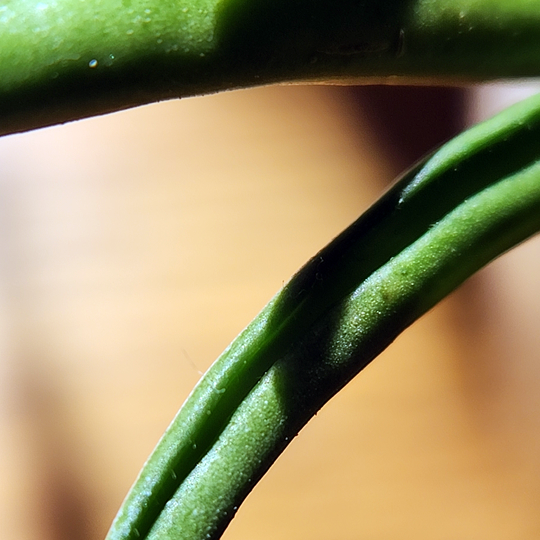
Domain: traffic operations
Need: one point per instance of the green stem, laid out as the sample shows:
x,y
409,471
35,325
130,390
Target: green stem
x,y
472,200
62,60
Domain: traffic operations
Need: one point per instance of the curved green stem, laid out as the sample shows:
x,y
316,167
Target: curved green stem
x,y
472,200
66,59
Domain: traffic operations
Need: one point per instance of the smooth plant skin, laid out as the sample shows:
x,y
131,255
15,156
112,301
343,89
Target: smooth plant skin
x,y
475,198
66,59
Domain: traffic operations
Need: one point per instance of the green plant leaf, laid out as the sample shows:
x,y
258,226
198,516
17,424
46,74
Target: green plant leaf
x,y
64,60
472,200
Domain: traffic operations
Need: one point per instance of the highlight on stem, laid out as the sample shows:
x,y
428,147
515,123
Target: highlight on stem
x,y
65,60
473,199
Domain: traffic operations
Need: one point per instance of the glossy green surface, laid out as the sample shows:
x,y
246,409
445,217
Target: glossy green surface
x,y
66,59
475,198
472,200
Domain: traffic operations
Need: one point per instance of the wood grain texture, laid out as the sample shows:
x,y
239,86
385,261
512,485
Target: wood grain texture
x,y
134,247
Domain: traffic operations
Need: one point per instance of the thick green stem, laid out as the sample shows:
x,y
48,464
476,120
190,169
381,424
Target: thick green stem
x,y
65,59
475,198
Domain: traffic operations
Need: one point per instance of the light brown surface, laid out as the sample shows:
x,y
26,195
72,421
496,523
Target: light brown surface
x,y
134,247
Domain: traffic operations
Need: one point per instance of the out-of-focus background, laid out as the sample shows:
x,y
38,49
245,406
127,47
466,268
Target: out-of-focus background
x,y
134,247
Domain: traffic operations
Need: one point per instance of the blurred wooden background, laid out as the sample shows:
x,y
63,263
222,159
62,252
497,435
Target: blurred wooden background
x,y
134,247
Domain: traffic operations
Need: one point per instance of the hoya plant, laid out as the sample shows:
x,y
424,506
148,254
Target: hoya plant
x,y
449,215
